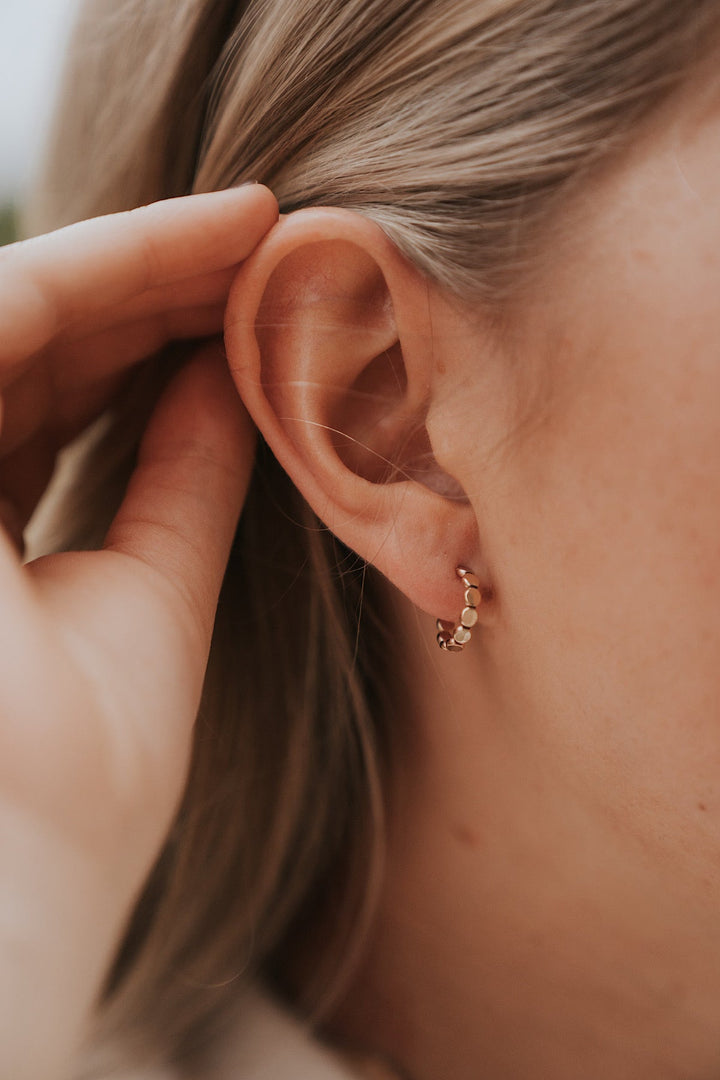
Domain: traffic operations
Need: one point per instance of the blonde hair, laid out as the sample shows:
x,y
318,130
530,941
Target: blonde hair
x,y
458,126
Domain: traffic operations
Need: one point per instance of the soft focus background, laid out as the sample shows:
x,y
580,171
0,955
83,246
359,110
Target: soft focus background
x,y
33,37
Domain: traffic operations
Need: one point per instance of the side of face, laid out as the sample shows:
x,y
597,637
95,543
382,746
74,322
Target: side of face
x,y
582,451
602,528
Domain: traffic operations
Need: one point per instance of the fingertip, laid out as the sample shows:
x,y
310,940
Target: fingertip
x,y
265,207
262,191
240,217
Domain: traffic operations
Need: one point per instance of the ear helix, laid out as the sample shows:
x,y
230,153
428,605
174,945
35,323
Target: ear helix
x,y
454,638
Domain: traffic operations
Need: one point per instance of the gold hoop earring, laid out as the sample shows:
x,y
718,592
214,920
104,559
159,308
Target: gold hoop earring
x,y
454,638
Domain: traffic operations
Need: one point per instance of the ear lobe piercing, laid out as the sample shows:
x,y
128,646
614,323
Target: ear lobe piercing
x,y
454,638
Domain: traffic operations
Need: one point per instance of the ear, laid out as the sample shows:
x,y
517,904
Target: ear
x,y
330,341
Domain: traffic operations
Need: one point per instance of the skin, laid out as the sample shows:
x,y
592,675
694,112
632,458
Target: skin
x,y
551,899
94,644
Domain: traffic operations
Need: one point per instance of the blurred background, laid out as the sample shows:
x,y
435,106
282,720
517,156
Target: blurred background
x,y
33,37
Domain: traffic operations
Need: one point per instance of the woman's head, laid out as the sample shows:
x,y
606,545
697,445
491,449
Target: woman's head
x,y
390,349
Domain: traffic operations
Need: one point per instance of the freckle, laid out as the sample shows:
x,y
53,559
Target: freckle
x,y
702,806
465,835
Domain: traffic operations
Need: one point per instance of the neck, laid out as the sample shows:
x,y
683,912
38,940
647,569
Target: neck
x,y
521,932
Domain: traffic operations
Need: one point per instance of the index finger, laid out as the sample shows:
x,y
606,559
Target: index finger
x,y
52,281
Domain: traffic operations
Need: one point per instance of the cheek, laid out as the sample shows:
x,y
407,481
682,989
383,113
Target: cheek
x,y
605,536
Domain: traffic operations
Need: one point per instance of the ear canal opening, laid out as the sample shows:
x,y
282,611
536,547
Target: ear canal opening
x,y
381,435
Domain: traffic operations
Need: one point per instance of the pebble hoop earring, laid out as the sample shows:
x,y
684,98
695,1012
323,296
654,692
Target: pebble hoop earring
x,y
454,638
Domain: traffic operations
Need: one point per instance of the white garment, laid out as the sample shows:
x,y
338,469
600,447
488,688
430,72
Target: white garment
x,y
267,1043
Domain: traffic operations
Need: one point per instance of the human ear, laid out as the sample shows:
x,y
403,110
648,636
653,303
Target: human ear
x,y
330,341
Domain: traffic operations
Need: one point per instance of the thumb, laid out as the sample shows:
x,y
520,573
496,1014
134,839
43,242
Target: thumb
x,y
183,503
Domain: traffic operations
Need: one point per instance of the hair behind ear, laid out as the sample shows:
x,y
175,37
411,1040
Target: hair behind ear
x,y
281,827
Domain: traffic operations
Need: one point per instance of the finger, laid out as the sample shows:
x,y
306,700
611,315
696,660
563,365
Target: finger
x,y
67,405
12,521
195,292
17,596
53,281
182,506
24,476
114,352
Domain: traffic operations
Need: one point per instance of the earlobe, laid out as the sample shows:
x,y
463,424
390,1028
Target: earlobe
x,y
329,338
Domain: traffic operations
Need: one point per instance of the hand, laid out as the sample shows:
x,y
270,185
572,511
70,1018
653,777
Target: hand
x,y
103,654
94,644
79,307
